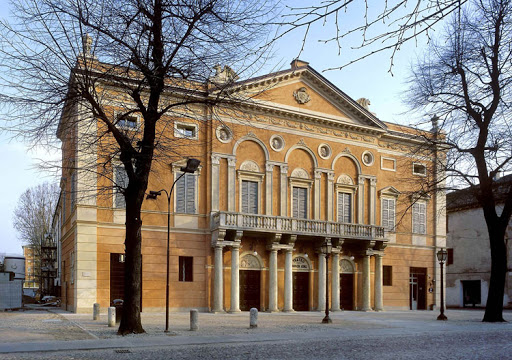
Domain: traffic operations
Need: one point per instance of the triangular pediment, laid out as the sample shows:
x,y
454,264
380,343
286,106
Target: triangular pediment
x,y
305,92
390,191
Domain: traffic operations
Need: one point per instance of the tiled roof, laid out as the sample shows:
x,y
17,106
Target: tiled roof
x,y
466,198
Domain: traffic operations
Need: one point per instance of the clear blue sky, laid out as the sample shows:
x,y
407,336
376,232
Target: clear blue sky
x,y
369,78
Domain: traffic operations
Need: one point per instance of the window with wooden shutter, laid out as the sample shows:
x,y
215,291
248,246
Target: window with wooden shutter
x,y
300,201
249,197
419,218
344,207
186,194
388,213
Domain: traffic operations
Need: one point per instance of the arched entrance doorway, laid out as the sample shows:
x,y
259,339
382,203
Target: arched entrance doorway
x,y
346,285
250,280
301,269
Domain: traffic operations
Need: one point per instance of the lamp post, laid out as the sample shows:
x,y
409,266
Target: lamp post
x,y
191,167
326,249
441,256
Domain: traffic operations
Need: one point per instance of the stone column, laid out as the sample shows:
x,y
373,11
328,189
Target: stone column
x,y
215,182
218,281
288,281
330,196
269,168
284,190
231,184
321,282
335,279
373,200
366,283
272,290
379,306
317,191
235,278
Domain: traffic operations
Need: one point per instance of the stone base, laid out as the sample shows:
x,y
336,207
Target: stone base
x,y
234,311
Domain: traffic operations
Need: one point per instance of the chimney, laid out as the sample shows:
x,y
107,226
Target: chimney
x,y
296,63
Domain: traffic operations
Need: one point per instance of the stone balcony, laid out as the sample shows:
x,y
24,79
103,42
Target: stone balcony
x,y
301,227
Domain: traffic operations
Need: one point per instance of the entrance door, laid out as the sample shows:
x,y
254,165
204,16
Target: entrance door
x,y
347,291
417,289
301,291
117,278
471,292
250,289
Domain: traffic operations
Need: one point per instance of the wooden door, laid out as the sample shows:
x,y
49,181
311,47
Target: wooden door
x,y
347,291
117,278
250,289
301,291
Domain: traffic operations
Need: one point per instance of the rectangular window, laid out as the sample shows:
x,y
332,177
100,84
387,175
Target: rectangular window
x,y
128,122
249,197
186,194
344,207
388,214
419,218
185,270
186,130
449,261
419,169
387,275
300,202
121,182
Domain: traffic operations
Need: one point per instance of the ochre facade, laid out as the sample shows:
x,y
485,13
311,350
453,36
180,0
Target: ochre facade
x,y
299,165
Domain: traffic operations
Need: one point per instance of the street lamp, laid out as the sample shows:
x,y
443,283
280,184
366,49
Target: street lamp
x,y
442,256
326,249
191,167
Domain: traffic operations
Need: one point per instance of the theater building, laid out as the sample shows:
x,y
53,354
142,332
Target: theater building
x,y
300,165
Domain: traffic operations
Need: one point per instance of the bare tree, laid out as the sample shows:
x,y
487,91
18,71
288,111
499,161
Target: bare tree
x,y
465,79
383,26
156,65
32,218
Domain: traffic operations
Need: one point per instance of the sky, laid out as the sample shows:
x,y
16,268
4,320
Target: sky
x,y
369,78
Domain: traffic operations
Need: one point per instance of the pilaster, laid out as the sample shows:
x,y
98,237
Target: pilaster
x,y
284,190
269,169
231,184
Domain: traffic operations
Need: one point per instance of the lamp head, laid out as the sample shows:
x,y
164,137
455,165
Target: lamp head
x,y
153,195
442,255
191,167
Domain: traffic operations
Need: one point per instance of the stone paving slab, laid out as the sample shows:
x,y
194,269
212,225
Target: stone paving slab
x,y
52,331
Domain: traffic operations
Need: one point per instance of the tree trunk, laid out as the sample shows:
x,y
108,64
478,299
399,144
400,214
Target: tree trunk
x,y
130,321
494,306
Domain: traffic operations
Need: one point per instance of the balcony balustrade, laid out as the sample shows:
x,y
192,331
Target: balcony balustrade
x,y
289,225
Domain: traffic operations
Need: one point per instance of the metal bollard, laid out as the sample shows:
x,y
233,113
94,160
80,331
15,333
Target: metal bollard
x,y
194,317
254,318
96,311
111,316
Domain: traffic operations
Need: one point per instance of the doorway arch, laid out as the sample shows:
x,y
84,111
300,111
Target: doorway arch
x,y
347,270
250,282
301,267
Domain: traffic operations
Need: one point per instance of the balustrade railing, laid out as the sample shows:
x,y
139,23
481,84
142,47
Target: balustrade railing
x,y
266,223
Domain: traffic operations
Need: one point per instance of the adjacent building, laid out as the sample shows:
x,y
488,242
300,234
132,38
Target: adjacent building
x,y
300,165
468,269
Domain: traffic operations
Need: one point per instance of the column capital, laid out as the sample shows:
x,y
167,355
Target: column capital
x,y
232,162
215,159
269,167
284,169
330,176
318,174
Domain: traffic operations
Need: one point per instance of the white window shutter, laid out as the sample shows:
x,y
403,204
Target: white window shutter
x,y
190,185
180,194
